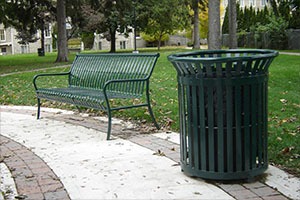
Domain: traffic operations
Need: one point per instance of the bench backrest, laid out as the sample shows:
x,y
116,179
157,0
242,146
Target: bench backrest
x,y
94,70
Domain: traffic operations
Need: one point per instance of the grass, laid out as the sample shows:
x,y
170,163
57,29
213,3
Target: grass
x,y
292,51
25,62
284,112
284,95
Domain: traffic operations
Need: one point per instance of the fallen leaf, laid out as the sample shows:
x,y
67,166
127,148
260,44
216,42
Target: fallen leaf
x,y
159,153
21,196
29,176
177,164
296,105
292,133
285,150
284,101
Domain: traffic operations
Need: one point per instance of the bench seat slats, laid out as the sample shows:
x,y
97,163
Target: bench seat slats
x,y
82,97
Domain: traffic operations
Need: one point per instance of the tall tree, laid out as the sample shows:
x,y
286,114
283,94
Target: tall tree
x,y
2,14
62,48
196,23
232,22
295,18
117,16
274,6
166,17
74,13
214,32
199,26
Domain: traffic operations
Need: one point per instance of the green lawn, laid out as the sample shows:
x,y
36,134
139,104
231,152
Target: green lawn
x,y
24,62
284,98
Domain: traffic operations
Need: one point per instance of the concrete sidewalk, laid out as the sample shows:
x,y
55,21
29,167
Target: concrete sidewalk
x,y
65,156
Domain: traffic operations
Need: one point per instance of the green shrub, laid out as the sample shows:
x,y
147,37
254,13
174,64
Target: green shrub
x,y
275,31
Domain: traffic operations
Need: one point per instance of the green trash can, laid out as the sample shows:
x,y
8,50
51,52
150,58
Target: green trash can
x,y
223,112
41,52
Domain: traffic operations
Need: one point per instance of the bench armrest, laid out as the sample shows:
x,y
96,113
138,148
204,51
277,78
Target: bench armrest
x,y
123,81
110,82
48,74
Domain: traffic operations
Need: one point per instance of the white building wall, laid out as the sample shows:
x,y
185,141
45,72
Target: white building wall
x,y
13,47
257,4
122,42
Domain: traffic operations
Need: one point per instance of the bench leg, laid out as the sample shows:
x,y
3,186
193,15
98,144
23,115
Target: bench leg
x,y
152,116
151,112
79,110
109,125
39,108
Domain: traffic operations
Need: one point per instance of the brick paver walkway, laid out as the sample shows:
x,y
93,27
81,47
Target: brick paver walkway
x,y
34,178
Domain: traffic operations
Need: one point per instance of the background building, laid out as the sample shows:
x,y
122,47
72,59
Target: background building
x,y
257,4
9,44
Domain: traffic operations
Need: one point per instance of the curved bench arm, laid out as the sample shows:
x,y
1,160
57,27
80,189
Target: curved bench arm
x,y
48,74
110,82
115,81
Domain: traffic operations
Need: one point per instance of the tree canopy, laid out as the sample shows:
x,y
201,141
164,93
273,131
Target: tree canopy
x,y
166,16
114,16
27,17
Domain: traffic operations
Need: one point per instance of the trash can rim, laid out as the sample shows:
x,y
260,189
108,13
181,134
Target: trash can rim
x,y
183,56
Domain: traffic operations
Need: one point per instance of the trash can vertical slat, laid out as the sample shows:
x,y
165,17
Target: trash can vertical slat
x,y
260,121
265,136
190,134
229,113
182,111
246,109
254,124
210,125
195,127
238,134
202,126
220,129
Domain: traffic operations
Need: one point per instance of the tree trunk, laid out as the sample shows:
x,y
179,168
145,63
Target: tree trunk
x,y
159,44
62,45
274,7
232,24
112,40
159,40
214,32
196,44
43,39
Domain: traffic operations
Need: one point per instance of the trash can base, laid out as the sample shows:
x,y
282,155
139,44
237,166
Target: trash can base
x,y
212,175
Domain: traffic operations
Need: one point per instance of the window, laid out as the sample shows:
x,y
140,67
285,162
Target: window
x,y
48,31
242,3
100,45
24,49
2,35
3,51
263,2
47,48
122,44
37,34
138,34
251,3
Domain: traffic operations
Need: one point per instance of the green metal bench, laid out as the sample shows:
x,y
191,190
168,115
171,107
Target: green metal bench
x,y
94,79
